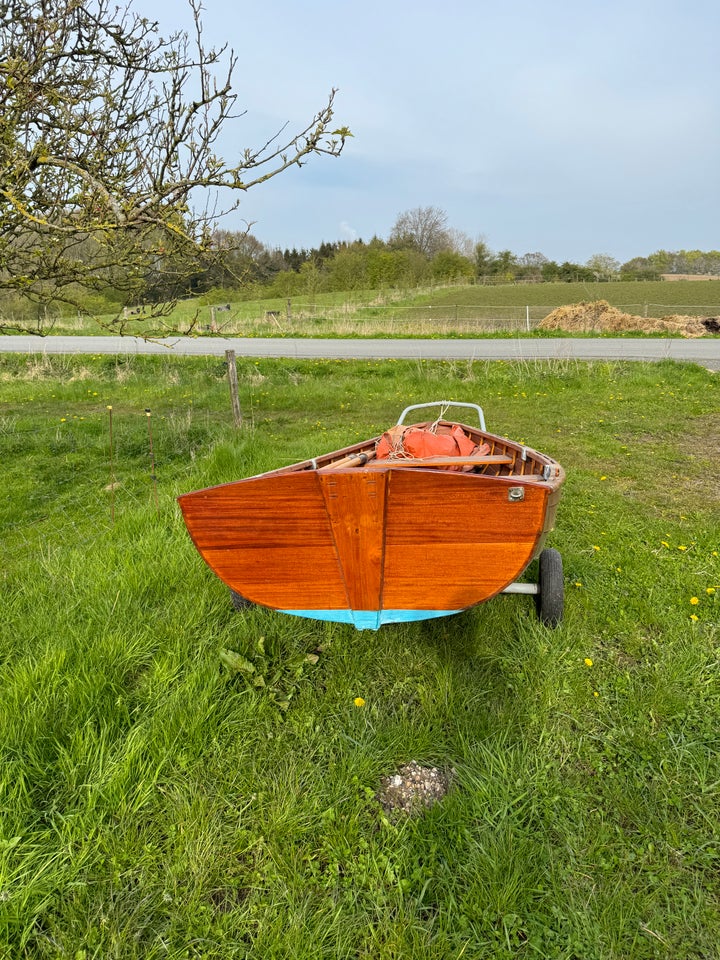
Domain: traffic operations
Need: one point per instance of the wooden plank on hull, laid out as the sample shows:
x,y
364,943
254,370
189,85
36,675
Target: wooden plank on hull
x,y
454,540
269,538
425,580
355,504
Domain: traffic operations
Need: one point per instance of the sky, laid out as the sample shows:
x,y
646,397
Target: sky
x,y
564,128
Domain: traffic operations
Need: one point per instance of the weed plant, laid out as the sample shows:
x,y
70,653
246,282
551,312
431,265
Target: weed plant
x,y
155,804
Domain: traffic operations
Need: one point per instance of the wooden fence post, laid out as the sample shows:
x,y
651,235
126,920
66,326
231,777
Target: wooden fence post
x,y
233,381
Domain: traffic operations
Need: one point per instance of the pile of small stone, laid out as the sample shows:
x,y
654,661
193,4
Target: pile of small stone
x,y
413,788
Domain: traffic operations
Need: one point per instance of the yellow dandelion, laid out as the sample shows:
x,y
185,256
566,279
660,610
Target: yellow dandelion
x,y
595,693
578,583
710,591
694,617
694,601
595,547
665,543
682,547
603,478
62,419
359,702
588,662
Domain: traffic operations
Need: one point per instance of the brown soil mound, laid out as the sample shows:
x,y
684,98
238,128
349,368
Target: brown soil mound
x,y
599,317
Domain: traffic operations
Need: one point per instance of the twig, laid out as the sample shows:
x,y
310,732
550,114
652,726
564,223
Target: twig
x,y
646,929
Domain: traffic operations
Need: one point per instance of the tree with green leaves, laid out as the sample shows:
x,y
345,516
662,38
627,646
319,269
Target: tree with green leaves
x,y
603,266
110,175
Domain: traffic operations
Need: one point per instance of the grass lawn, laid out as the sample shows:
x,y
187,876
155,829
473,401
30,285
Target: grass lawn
x,y
157,805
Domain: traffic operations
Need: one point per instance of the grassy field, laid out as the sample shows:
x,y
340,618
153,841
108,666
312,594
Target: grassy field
x,y
455,311
659,296
156,805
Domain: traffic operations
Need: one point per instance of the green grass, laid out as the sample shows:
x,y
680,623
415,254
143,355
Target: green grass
x,y
453,311
659,295
156,805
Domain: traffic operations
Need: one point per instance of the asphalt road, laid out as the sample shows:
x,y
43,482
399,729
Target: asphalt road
x,y
705,351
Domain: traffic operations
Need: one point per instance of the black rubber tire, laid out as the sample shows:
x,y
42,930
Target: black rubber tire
x,y
551,596
238,601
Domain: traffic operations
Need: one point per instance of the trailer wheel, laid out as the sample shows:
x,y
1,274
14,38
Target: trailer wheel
x,y
551,595
238,601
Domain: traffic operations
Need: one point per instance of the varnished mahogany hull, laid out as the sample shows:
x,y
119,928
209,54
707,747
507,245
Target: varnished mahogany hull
x,y
370,546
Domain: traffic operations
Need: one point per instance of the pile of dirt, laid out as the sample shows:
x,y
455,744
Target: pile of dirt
x,y
598,316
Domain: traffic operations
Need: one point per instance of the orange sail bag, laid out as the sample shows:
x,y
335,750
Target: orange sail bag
x,y
419,442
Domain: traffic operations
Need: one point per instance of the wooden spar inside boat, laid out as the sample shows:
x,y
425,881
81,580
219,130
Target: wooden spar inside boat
x,y
355,539
477,461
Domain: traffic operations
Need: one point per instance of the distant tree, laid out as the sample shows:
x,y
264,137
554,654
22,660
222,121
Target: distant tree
x,y
319,255
109,163
531,265
603,266
396,268
711,262
295,258
242,258
639,268
461,243
689,261
574,273
347,270
423,229
449,265
661,261
384,267
503,265
482,255
550,271
312,277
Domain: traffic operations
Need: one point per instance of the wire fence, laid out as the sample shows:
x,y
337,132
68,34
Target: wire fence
x,y
457,317
363,312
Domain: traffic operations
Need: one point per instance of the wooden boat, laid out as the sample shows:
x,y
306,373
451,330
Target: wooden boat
x,y
353,538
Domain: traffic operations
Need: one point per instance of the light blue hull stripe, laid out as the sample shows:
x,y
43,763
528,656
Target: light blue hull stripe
x,y
371,619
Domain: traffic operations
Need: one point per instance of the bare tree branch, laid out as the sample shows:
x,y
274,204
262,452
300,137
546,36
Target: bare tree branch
x,y
108,152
